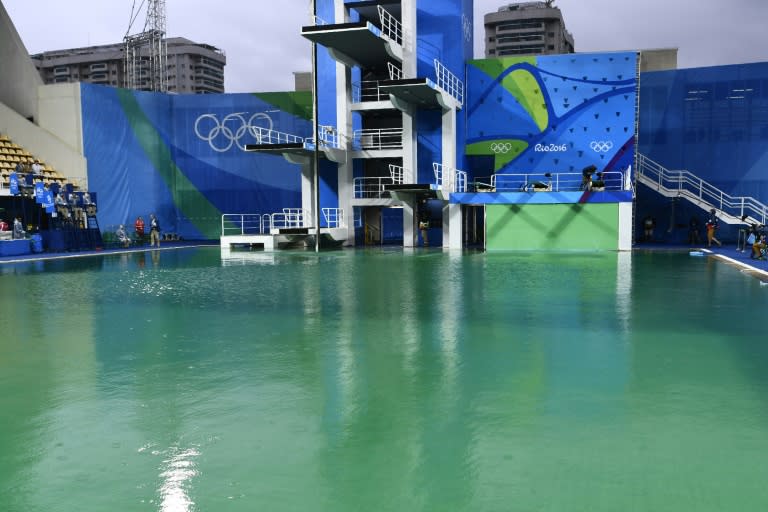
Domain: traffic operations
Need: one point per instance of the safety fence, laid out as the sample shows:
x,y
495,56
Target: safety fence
x,y
550,182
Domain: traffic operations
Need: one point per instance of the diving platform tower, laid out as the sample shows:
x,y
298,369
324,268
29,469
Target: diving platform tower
x,y
390,88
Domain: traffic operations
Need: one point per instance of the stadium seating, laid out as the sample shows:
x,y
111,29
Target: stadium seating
x,y
11,154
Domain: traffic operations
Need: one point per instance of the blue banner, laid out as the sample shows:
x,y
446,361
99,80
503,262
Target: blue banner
x,y
14,183
48,200
39,191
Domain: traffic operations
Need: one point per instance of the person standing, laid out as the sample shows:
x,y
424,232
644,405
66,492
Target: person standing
x,y
693,230
712,226
154,231
18,229
138,227
649,223
37,171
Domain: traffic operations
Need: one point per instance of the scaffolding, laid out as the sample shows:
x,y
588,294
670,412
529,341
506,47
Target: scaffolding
x,y
146,53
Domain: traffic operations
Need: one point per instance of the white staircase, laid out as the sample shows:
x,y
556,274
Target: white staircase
x,y
687,185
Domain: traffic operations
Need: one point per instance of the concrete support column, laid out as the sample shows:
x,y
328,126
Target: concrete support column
x,y
452,226
625,227
409,222
408,19
307,188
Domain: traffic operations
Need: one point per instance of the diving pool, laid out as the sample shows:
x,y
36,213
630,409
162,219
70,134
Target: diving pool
x,y
382,380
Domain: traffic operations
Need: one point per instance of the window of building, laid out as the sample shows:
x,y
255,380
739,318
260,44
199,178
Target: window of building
x,y
518,24
550,34
101,66
550,47
61,70
491,39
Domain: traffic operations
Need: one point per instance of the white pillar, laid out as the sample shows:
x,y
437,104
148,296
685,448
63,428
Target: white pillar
x,y
409,233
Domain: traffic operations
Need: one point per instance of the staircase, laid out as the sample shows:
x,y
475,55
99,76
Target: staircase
x,y
704,195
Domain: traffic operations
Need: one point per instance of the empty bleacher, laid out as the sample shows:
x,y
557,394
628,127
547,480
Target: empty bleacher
x,y
11,154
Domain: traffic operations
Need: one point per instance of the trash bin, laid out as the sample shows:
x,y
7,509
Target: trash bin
x,y
37,243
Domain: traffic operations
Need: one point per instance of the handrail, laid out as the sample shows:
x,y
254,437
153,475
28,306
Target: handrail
x,y
449,179
268,136
334,217
555,182
384,138
396,172
391,28
395,73
449,82
368,90
370,188
241,224
686,184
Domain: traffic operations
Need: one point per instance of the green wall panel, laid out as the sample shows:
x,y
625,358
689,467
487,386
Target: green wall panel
x,y
552,227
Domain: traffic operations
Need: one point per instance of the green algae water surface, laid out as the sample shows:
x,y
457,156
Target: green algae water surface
x,y
382,381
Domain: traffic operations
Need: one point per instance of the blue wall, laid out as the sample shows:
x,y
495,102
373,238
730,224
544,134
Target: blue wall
x,y
710,121
180,156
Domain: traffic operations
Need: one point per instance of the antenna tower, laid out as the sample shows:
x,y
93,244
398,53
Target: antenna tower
x,y
146,53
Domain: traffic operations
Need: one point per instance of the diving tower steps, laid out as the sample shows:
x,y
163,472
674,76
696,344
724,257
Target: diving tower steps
x,y
686,185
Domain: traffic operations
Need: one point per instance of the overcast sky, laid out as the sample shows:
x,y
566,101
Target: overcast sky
x,y
263,46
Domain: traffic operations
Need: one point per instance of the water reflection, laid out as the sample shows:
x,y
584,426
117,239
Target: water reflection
x,y
176,472
370,380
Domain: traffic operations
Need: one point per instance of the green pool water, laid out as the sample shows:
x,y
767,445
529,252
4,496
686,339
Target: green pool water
x,y
382,380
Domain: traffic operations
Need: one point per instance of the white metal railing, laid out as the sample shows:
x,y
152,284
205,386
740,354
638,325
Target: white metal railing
x,y
334,217
371,188
291,218
330,137
390,26
395,73
449,179
267,136
242,224
449,82
686,184
549,182
368,90
384,138
461,181
396,172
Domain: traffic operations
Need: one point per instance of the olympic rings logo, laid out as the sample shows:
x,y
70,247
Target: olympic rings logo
x,y
501,147
222,135
601,146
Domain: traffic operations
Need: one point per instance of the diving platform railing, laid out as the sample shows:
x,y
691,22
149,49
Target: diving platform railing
x,y
270,223
368,90
268,136
701,193
379,139
448,179
549,182
391,28
449,82
375,187
395,73
280,229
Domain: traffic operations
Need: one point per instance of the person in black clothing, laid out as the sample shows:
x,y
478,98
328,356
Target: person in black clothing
x,y
693,231
154,231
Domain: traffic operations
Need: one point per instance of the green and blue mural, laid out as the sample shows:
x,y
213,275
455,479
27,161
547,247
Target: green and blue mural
x,y
553,113
182,156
